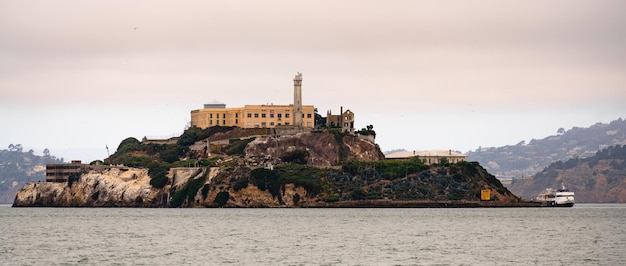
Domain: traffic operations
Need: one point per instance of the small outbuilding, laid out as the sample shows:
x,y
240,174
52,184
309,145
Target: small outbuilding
x,y
427,157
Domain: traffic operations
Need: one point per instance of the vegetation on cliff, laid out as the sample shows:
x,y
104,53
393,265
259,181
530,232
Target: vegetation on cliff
x,y
600,178
243,170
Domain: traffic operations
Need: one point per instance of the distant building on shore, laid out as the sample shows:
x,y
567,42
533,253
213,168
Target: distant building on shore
x,y
60,172
428,157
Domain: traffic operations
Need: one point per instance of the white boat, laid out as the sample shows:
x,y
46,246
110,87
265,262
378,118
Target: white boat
x,y
556,197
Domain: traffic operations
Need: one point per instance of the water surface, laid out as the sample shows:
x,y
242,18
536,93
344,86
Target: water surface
x,y
582,235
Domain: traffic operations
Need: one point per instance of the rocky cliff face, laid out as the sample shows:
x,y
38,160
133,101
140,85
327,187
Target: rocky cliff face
x,y
234,184
323,148
115,187
332,169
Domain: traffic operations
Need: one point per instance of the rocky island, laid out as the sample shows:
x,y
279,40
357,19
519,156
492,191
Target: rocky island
x,y
245,169
266,156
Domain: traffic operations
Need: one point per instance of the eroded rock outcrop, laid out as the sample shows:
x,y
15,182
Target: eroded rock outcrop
x,y
323,147
331,169
114,187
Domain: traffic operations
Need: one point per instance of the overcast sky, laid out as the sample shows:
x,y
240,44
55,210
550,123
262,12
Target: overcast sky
x,y
76,76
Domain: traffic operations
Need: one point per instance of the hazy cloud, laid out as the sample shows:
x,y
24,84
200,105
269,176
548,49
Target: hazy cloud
x,y
403,56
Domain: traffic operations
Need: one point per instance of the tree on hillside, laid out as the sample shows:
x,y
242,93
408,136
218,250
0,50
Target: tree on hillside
x,y
560,132
368,130
17,147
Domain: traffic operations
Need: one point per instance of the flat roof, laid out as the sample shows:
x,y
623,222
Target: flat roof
x,y
427,153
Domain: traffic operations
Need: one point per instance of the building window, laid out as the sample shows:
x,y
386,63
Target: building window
x,y
263,124
249,115
217,122
263,115
308,124
287,115
256,115
308,115
256,124
236,115
236,121
280,115
223,122
249,124
210,115
271,113
210,122
286,123
271,123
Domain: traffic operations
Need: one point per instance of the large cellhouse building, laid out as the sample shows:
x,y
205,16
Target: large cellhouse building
x,y
257,116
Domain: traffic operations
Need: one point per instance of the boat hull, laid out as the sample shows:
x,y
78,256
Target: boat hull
x,y
554,204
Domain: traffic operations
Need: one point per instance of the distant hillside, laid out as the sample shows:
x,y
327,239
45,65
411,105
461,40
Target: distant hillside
x,y
526,159
18,168
600,178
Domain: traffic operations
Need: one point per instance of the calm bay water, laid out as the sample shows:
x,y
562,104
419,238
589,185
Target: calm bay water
x,y
587,234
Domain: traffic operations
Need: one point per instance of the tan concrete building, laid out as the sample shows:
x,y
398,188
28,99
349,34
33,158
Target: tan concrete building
x,y
257,116
427,157
252,116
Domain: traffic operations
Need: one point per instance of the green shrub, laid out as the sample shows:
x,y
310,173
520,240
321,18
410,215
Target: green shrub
x,y
221,198
158,174
275,180
359,194
308,177
128,144
388,169
193,185
189,190
141,161
172,153
369,130
205,191
159,181
238,146
179,197
96,162
332,198
189,137
263,178
241,183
